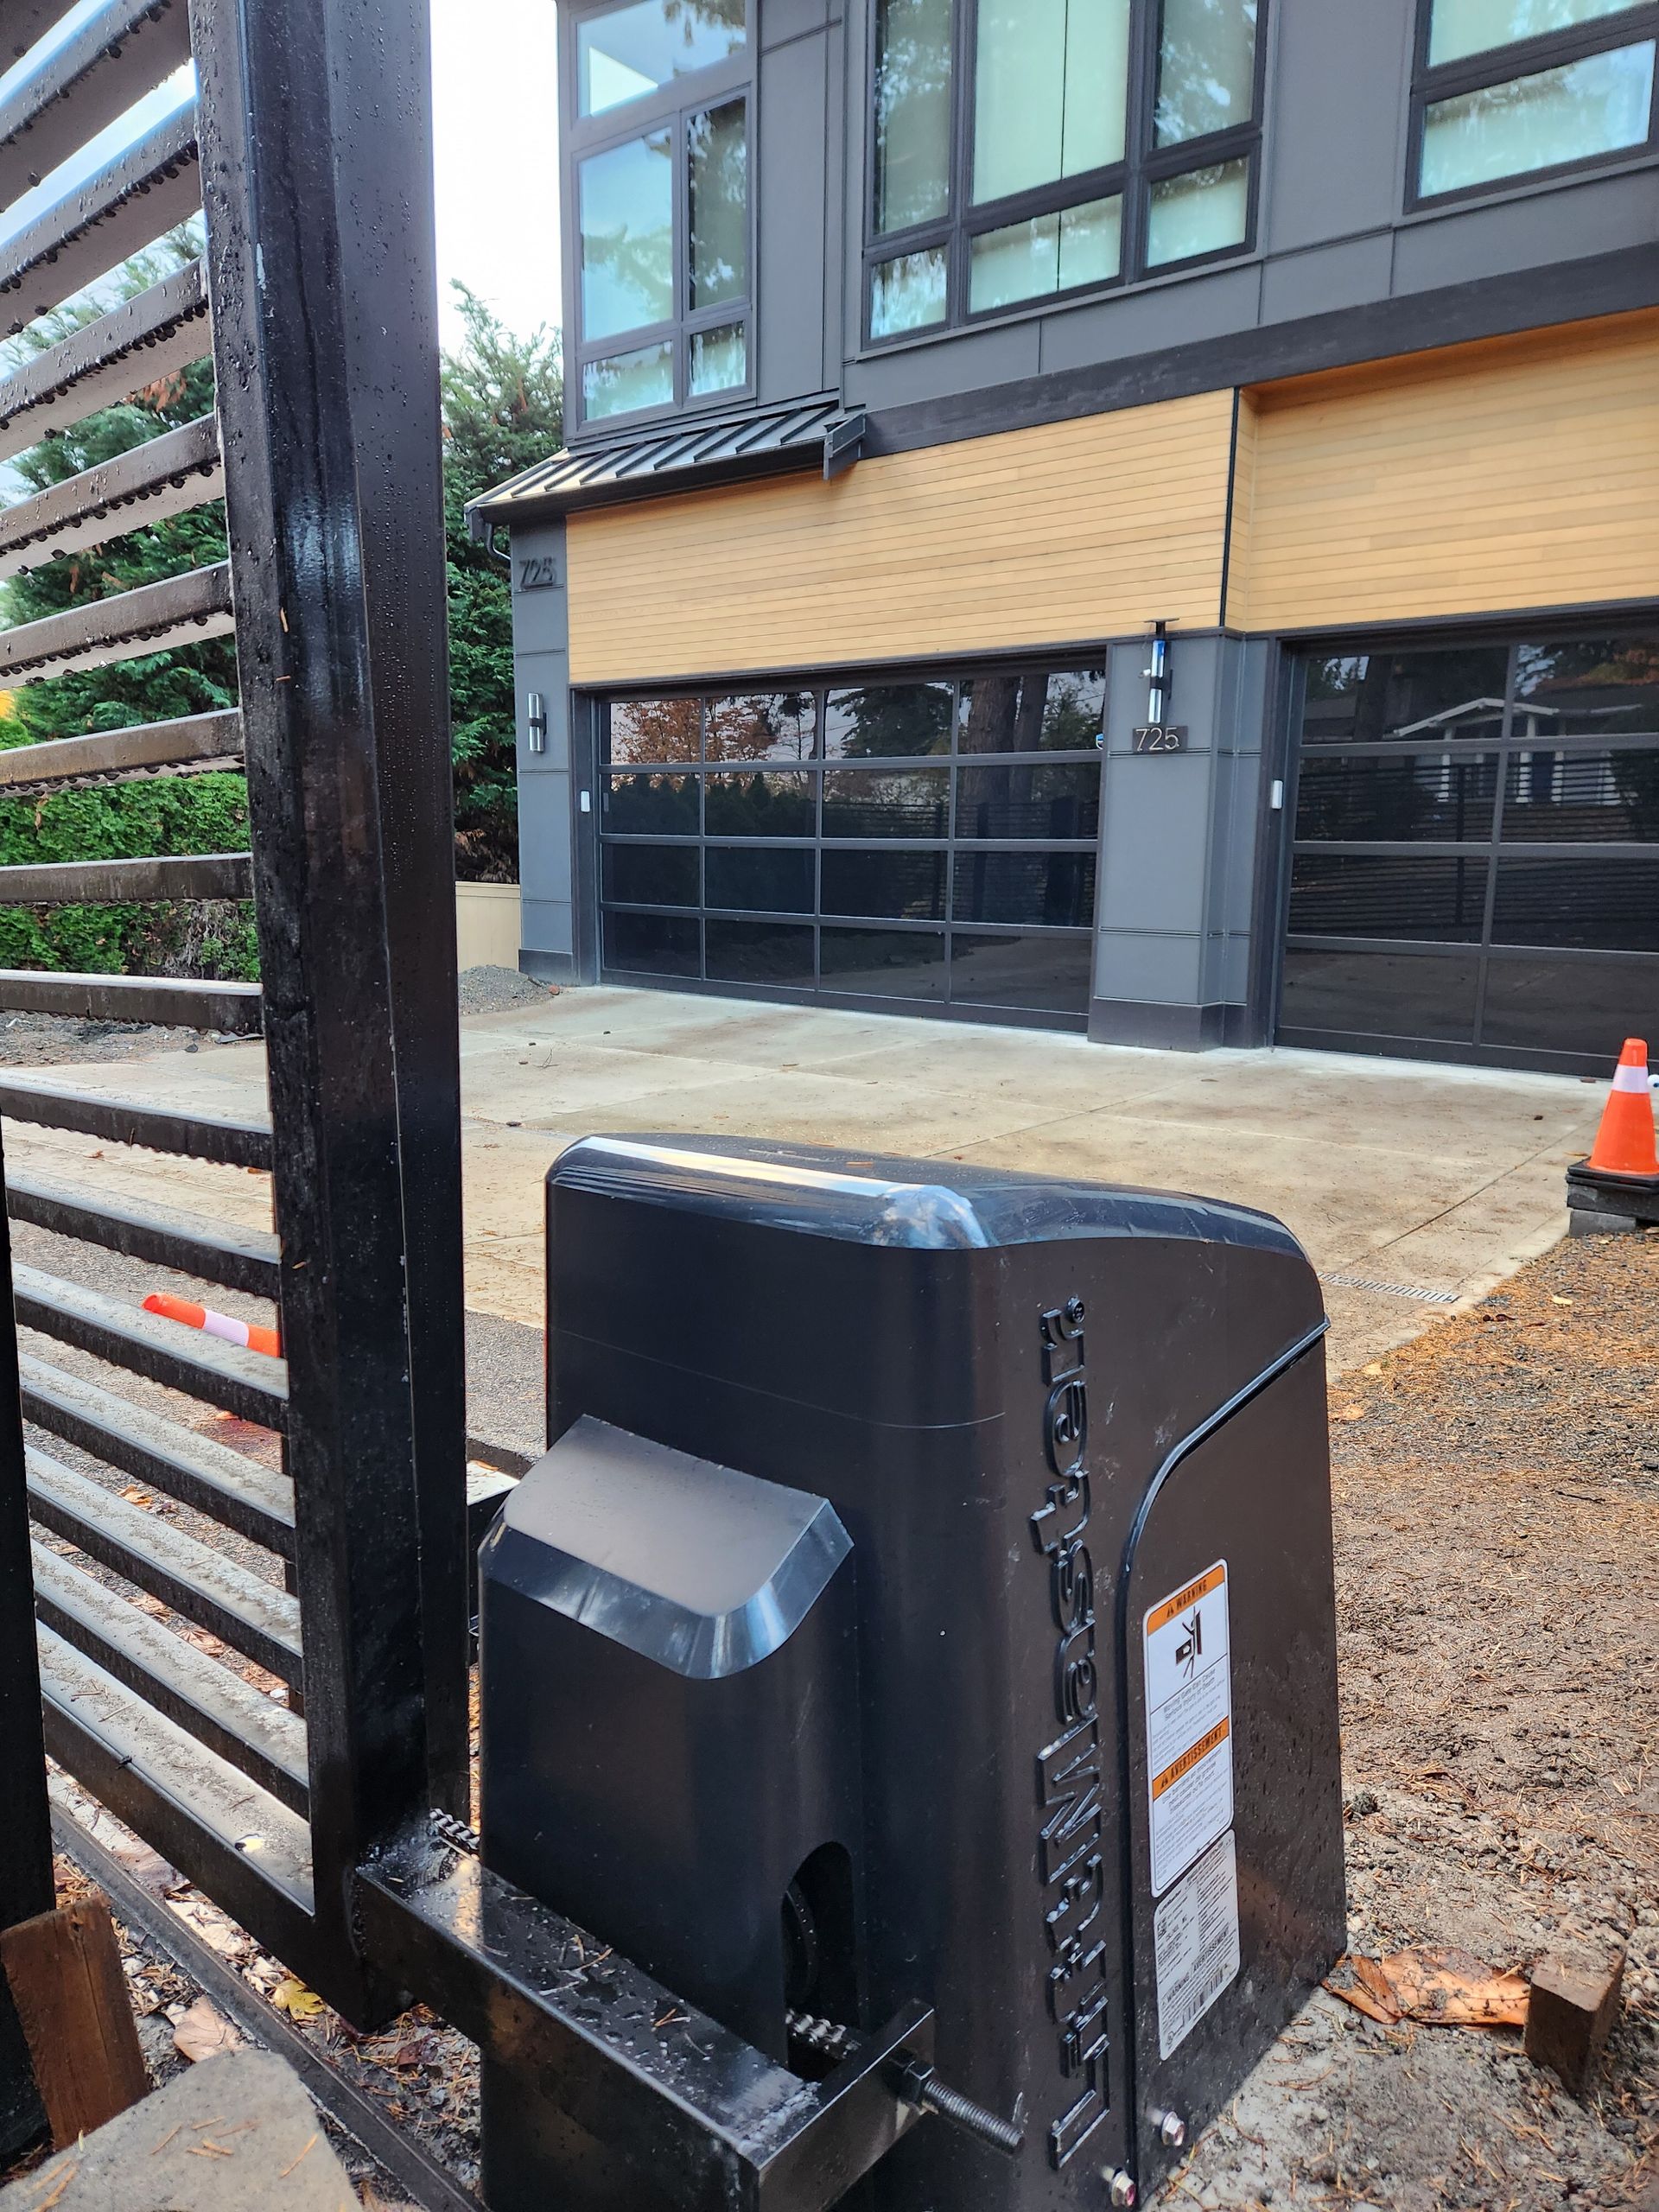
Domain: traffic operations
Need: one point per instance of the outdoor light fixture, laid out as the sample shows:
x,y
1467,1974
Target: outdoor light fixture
x,y
536,715
1156,674
1157,734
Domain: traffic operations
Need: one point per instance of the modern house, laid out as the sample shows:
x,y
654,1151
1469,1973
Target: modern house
x,y
938,368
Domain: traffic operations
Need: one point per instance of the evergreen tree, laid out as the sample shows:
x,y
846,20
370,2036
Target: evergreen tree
x,y
503,409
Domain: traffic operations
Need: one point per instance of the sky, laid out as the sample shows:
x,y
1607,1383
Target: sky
x,y
495,158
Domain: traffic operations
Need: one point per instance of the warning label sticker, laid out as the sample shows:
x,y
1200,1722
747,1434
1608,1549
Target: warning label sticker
x,y
1189,1724
1195,1934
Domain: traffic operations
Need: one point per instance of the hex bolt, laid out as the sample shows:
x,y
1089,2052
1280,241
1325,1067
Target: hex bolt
x,y
1172,2129
1120,2188
919,2085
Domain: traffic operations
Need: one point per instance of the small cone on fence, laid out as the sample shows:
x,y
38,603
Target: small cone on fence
x,y
214,1325
1624,1143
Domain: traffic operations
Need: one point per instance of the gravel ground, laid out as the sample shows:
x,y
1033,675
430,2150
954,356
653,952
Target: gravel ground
x,y
497,990
35,1040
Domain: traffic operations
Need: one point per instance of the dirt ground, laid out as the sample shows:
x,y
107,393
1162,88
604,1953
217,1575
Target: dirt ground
x,y
1496,1493
1496,1487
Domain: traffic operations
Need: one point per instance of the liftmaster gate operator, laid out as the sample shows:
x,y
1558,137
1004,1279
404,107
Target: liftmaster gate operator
x,y
928,1596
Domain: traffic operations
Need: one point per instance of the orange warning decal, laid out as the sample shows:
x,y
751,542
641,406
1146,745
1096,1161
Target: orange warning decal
x,y
1192,1755
1164,1613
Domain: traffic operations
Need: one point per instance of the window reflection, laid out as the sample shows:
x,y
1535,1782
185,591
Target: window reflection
x,y
1357,991
625,196
1049,87
636,805
629,52
652,944
883,721
1597,105
1456,694
762,726
650,875
906,886
1044,975
717,207
1046,890
654,730
1596,902
1564,1005
767,878
885,802
883,963
762,805
1030,798
777,953
912,112
1440,796
1588,688
1582,797
1350,894
1206,68
1061,712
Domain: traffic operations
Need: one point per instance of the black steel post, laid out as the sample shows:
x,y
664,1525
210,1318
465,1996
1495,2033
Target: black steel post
x,y
314,148
26,1887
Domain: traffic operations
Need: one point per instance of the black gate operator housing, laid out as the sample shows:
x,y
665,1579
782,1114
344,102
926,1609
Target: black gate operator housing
x,y
927,1597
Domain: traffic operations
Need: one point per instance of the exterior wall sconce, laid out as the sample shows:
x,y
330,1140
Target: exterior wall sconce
x,y
536,716
1158,733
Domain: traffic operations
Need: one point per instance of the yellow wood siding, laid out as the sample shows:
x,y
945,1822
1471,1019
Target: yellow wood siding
x,y
1507,475
1053,535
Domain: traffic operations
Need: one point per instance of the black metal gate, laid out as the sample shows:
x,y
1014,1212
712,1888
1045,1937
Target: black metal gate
x,y
325,447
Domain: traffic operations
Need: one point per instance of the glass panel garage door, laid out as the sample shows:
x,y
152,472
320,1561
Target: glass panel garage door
x,y
930,843
1475,872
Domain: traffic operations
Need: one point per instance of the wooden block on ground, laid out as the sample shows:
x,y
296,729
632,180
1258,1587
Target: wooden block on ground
x,y
235,2134
1571,2012
64,1971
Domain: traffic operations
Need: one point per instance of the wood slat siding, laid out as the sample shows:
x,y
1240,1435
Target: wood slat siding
x,y
1511,473
1052,535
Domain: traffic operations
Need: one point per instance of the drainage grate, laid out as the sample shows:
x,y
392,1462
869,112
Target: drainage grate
x,y
1396,1289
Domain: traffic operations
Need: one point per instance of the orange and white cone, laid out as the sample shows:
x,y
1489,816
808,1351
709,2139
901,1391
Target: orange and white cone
x,y
1624,1143
248,1333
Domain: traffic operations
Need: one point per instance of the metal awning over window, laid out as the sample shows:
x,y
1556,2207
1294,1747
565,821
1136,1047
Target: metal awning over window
x,y
685,457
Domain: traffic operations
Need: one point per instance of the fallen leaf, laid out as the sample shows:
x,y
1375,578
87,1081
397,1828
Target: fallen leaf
x,y
1372,1367
204,2033
134,1496
216,1929
1555,1298
295,1999
1352,1413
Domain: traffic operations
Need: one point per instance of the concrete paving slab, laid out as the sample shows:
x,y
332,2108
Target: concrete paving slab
x,y
235,2134
1410,1174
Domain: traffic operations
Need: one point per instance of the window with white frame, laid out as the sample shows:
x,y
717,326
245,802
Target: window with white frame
x,y
1508,88
1024,150
658,130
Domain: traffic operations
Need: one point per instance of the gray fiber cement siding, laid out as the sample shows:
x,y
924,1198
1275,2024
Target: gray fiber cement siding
x,y
547,805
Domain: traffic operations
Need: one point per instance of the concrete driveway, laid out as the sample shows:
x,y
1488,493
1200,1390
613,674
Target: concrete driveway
x,y
1401,1177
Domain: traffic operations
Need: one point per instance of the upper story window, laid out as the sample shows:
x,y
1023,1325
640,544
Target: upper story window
x,y
657,134
1025,149
1506,88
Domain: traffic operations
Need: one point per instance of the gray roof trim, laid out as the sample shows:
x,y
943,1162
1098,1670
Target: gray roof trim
x,y
676,457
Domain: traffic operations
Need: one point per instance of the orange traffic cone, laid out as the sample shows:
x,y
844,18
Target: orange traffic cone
x,y
215,1324
1624,1143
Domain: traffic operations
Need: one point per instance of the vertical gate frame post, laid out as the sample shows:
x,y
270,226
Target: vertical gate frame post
x,y
314,129
26,1883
